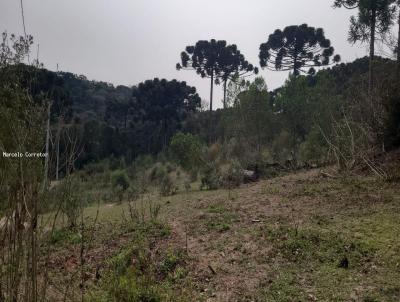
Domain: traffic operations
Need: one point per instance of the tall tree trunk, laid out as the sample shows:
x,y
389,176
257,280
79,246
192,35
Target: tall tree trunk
x,y
398,43
295,69
211,105
46,161
58,147
211,91
372,52
34,260
225,94
164,134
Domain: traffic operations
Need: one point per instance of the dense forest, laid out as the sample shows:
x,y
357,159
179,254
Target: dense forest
x,y
144,193
291,123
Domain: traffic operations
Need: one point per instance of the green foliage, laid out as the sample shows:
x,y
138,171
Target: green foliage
x,y
233,89
170,262
251,121
233,175
376,15
307,245
220,218
21,126
296,108
217,60
64,236
163,105
282,147
211,178
116,163
133,275
284,288
158,172
187,150
308,108
119,178
314,149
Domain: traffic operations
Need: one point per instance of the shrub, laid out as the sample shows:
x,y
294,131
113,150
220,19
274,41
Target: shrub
x,y
211,179
281,147
68,193
233,176
186,150
118,192
171,260
167,186
314,148
116,163
64,236
95,168
169,167
157,173
234,148
140,164
134,275
213,152
119,178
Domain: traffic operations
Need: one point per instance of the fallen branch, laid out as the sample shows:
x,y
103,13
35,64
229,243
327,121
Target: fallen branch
x,y
327,175
378,171
212,270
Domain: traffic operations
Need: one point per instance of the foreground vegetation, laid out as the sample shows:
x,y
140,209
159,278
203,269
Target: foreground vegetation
x,y
300,237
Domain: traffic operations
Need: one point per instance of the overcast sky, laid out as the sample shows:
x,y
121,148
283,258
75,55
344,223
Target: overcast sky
x,y
128,41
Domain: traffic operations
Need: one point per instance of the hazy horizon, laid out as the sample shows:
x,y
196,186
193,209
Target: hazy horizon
x,y
127,42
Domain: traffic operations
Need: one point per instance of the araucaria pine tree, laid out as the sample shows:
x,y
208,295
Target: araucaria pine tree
x,y
374,18
297,48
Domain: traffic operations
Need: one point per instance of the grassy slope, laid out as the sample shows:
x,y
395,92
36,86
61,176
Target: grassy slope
x,y
277,240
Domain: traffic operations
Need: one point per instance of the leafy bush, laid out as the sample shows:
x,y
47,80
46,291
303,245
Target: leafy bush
x,y
233,176
281,147
170,262
119,178
186,149
211,179
157,173
314,148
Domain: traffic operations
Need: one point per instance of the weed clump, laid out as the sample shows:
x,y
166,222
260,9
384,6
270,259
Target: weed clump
x,y
135,274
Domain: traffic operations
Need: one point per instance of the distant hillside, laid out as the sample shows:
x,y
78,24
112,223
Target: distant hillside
x,y
110,121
